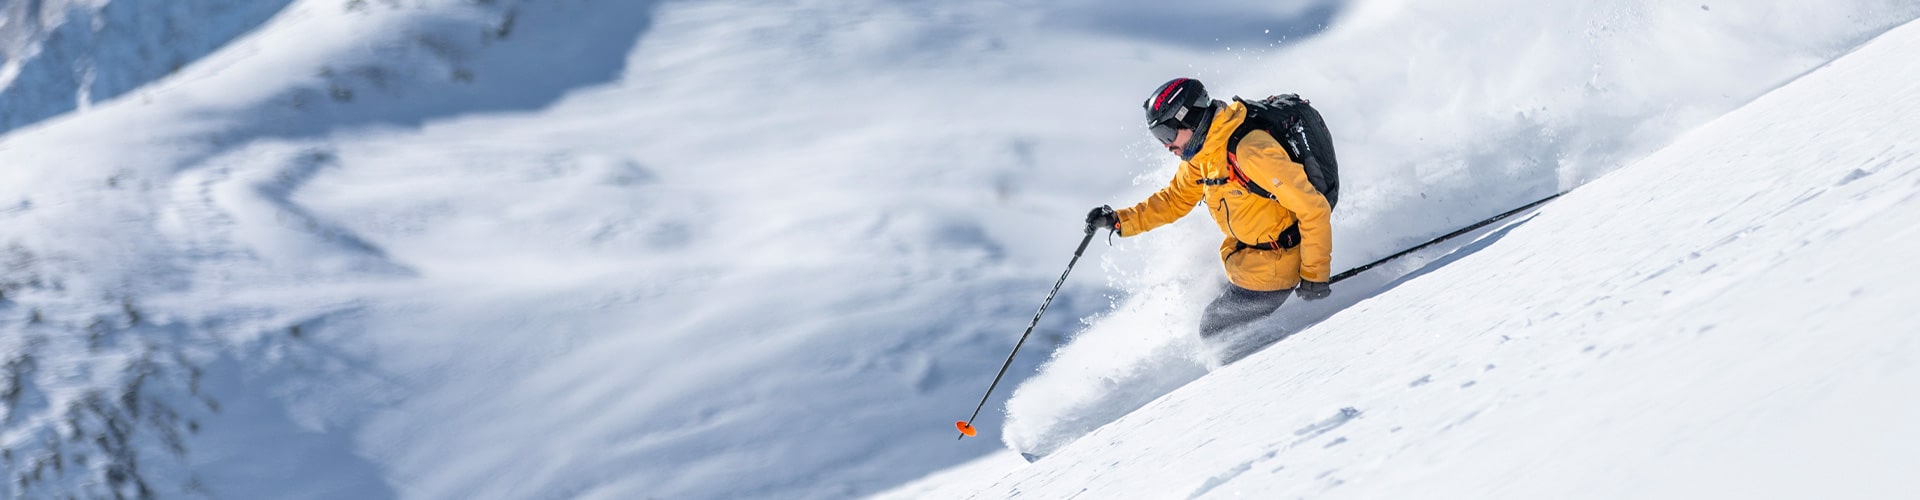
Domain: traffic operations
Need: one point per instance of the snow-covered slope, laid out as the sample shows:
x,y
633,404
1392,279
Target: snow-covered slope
x,y
1731,317
728,249
61,55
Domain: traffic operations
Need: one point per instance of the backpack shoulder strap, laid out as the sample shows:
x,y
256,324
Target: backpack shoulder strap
x,y
1253,121
1233,173
1248,123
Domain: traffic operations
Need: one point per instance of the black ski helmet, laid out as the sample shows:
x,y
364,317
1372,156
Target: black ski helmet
x,y
1181,103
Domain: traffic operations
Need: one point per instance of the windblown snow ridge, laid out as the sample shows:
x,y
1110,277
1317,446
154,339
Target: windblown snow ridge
x,y
61,55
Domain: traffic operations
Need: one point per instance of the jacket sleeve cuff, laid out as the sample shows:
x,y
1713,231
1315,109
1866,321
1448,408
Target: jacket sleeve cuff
x,y
1128,225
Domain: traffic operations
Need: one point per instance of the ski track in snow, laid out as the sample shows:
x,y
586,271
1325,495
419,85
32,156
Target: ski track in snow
x,y
237,206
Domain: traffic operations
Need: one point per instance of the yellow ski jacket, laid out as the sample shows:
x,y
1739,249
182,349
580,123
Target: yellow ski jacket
x,y
1247,219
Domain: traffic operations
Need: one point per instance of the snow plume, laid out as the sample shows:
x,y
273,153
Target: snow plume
x,y
1443,116
1141,349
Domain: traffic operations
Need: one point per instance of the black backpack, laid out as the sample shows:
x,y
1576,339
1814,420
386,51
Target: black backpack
x,y
1298,127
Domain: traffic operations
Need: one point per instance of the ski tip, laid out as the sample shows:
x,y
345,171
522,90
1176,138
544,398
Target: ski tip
x,y
966,429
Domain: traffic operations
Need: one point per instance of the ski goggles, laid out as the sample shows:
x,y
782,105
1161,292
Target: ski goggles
x,y
1166,131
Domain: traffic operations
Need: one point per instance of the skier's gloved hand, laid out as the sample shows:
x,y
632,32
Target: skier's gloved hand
x,y
1312,290
1103,218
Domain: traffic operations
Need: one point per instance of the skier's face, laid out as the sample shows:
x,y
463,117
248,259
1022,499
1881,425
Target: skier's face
x,y
1180,141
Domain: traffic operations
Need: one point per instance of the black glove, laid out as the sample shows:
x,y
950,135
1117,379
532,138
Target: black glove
x,y
1312,290
1103,218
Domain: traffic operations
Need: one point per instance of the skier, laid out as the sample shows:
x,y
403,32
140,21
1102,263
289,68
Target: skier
x,y
1279,237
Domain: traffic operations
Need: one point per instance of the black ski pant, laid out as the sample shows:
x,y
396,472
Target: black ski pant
x,y
1236,307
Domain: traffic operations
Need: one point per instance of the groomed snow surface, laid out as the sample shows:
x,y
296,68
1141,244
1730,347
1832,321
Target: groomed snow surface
x,y
752,249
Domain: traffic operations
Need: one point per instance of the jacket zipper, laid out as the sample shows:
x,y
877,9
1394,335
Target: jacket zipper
x,y
1229,210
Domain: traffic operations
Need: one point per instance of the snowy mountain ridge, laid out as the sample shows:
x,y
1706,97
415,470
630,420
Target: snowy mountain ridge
x,y
63,55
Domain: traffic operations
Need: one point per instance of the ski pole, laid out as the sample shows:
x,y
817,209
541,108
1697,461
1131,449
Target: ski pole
x,y
1477,225
966,426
